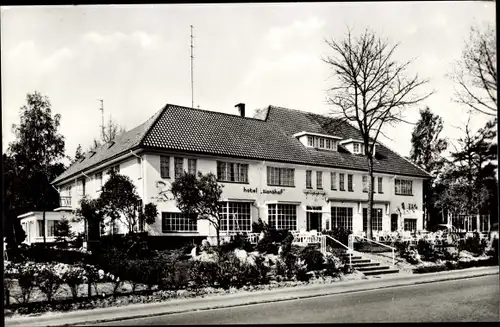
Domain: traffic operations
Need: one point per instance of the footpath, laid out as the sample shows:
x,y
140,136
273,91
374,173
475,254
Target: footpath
x,y
89,317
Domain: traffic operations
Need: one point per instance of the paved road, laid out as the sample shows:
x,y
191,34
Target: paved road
x,y
473,299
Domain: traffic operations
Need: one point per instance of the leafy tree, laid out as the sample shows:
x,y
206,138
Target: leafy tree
x,y
476,72
370,90
199,198
79,155
120,201
92,213
426,153
31,162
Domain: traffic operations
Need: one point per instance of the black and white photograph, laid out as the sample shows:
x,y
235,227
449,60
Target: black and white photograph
x,y
250,163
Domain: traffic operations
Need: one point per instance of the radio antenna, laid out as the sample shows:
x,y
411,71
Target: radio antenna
x,y
102,116
192,57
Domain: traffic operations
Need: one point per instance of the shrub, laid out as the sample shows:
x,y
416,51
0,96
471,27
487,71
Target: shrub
x,y
266,245
259,226
40,253
312,257
75,277
49,279
26,274
238,241
493,251
474,244
286,245
177,276
203,274
426,250
333,265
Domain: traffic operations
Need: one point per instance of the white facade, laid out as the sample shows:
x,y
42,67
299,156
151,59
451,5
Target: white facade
x,y
397,211
33,226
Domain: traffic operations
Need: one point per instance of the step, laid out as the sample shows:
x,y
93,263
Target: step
x,y
360,260
365,264
363,269
381,272
353,257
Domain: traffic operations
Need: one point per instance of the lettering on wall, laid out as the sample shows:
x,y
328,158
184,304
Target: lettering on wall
x,y
407,207
277,191
316,194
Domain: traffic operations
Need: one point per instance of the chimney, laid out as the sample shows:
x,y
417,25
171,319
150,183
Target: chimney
x,y
241,109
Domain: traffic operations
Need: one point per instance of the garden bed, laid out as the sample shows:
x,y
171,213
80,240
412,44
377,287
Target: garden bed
x,y
142,295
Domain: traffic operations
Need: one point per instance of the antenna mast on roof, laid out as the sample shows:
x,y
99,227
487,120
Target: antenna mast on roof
x,y
102,114
192,57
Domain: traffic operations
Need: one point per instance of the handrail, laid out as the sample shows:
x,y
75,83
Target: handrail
x,y
349,251
351,243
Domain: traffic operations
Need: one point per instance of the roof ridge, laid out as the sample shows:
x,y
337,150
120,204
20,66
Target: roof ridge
x,y
214,112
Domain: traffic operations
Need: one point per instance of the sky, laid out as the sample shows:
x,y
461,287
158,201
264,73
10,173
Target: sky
x,y
137,58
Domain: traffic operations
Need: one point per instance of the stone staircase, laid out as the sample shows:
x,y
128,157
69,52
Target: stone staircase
x,y
369,267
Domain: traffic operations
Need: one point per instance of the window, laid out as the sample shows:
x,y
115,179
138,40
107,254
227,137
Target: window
x,y
280,176
282,216
403,187
165,166
176,222
310,141
178,167
321,143
356,147
40,228
308,179
114,228
319,180
349,183
365,184
410,224
342,217
51,227
232,172
376,219
235,217
328,144
333,177
341,182
380,188
192,166
98,177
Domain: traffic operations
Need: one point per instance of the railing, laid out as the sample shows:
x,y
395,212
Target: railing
x,y
65,201
353,237
349,251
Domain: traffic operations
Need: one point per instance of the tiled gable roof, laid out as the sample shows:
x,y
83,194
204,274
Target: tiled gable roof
x,y
269,138
122,143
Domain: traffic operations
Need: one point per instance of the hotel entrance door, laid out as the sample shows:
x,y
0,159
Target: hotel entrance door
x,y
314,219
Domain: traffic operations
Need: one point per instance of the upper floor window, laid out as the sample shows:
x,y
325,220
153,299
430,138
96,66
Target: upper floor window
x,y
165,167
310,141
341,182
308,178
232,172
178,167
349,183
333,180
380,188
356,147
319,180
277,176
192,166
403,186
365,184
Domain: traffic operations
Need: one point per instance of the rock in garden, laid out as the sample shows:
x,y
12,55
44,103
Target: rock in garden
x,y
241,255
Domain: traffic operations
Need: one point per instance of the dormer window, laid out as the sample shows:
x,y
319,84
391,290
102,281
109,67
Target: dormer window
x,y
355,146
318,141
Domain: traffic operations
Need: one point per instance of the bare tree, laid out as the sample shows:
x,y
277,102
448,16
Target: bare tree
x,y
476,72
370,90
110,131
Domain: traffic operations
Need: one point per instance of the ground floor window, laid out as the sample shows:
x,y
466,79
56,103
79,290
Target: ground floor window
x,y
40,228
51,228
176,222
282,216
376,219
236,217
342,217
410,224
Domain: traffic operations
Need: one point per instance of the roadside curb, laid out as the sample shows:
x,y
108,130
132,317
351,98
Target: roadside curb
x,y
94,316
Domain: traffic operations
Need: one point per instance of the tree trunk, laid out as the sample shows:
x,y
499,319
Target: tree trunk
x,y
370,199
217,231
